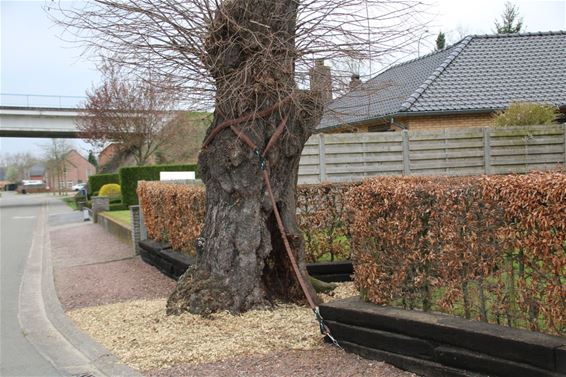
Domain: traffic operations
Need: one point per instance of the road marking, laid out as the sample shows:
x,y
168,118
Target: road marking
x,y
23,217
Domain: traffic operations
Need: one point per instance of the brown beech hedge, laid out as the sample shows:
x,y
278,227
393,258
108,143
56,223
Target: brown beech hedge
x,y
172,212
324,220
175,213
491,248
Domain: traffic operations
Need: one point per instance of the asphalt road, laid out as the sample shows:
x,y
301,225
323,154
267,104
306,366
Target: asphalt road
x,y
18,218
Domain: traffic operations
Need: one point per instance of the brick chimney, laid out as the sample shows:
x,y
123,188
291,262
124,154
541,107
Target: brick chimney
x,y
321,80
355,81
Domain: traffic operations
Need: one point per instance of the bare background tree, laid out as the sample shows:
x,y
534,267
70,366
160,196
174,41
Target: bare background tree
x,y
131,111
54,154
18,165
249,60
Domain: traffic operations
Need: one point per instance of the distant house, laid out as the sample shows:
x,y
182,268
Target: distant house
x,y
37,172
114,157
460,86
108,153
77,170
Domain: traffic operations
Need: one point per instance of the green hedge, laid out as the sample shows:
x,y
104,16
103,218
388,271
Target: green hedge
x,y
95,182
117,207
129,177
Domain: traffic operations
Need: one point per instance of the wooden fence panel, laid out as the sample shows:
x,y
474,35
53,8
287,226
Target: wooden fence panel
x,y
452,152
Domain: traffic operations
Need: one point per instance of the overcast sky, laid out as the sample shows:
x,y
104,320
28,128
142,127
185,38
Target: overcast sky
x,y
34,60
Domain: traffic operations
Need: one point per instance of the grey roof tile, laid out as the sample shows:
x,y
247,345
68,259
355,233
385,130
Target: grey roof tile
x,y
37,169
384,93
481,72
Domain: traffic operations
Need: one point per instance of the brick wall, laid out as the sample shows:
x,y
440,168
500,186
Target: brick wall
x,y
425,122
78,168
448,121
107,154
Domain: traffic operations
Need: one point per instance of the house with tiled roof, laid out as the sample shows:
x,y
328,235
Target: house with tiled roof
x,y
460,86
37,172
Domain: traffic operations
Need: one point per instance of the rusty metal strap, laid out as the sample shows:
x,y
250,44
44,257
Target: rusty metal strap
x,y
243,119
265,171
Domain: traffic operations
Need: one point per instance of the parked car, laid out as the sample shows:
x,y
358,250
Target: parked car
x,y
78,186
31,186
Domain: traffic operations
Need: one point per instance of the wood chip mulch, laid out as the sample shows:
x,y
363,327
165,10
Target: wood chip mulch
x,y
141,335
284,341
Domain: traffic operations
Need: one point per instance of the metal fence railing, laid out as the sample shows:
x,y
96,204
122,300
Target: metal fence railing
x,y
40,100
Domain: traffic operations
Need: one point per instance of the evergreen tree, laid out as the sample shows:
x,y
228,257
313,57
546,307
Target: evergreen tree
x,y
92,159
510,20
440,41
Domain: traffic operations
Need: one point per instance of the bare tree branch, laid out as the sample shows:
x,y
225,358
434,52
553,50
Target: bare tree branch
x,y
130,111
170,37
249,60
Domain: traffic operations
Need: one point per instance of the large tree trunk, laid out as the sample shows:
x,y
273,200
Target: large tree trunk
x,y
243,263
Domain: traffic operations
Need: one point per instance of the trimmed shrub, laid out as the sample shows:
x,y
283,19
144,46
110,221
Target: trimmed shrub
x,y
117,207
491,248
95,182
526,114
129,177
173,212
116,199
111,190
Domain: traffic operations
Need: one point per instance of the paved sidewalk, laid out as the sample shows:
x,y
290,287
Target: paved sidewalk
x,y
92,267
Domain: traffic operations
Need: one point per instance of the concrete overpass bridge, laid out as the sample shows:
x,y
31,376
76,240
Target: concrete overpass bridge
x,y
39,116
38,122
25,115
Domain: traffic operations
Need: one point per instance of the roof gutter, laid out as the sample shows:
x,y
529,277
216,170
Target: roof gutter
x,y
390,118
445,112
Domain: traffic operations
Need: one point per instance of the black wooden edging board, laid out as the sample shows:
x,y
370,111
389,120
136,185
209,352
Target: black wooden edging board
x,y
560,353
171,263
331,271
413,364
383,340
521,346
174,264
152,245
478,362
443,355
327,268
161,264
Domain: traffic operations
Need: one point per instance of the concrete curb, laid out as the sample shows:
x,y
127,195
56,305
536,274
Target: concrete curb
x,y
52,333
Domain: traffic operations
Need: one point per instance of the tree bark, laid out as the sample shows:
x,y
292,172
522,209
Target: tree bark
x,y
243,263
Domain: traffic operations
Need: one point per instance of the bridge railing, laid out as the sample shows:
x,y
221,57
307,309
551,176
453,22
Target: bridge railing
x,y
40,100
